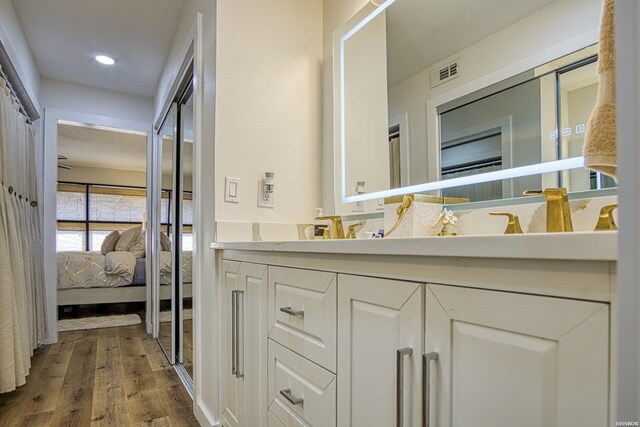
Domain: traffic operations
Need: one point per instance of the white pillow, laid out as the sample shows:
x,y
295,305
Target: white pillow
x,y
139,247
109,243
128,238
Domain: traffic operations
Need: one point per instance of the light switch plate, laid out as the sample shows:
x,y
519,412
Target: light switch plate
x,y
232,189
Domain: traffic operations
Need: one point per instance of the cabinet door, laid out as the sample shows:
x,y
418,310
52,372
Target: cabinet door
x,y
253,344
507,359
244,341
230,385
379,342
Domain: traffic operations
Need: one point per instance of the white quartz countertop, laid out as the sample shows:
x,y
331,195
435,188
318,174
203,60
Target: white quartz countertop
x,y
596,246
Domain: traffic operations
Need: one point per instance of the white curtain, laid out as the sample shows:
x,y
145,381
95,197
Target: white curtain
x,y
22,306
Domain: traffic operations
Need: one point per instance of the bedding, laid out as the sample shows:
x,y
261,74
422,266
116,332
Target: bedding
x,y
165,267
94,270
79,269
139,273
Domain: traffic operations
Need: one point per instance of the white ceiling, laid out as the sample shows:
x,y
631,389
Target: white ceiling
x,y
65,35
102,148
421,33
113,149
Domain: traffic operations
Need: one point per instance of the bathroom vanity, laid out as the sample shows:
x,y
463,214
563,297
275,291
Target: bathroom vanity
x,y
442,331
481,329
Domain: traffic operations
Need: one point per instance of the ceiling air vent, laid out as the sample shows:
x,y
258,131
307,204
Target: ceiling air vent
x,y
444,73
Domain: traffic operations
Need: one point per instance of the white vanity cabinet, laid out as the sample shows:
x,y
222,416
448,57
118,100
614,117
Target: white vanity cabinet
x,y
379,349
493,357
244,344
330,339
513,359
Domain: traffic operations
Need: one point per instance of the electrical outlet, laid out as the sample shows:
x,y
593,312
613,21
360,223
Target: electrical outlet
x,y
232,190
265,200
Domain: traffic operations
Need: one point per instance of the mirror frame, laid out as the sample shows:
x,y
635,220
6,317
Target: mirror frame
x,y
538,59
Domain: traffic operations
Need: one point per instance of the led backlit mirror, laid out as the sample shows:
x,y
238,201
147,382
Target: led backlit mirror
x,y
480,100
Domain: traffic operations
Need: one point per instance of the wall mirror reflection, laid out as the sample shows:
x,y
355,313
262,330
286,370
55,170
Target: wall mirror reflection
x,y
420,101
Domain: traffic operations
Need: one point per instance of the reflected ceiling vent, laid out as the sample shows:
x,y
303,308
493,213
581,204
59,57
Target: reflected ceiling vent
x,y
443,73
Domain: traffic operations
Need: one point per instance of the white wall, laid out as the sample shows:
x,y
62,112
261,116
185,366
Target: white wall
x,y
16,45
269,106
89,100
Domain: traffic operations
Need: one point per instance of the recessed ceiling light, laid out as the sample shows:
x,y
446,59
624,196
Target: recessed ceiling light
x,y
106,60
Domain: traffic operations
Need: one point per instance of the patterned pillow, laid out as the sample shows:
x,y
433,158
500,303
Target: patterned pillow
x,y
138,249
109,243
128,238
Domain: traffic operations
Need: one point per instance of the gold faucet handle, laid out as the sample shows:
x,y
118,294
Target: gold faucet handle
x,y
546,192
351,231
325,232
605,220
336,221
513,225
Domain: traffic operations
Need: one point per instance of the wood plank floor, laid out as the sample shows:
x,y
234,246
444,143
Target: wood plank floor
x,y
100,377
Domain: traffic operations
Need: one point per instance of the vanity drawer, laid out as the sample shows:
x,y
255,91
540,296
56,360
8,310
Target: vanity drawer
x,y
302,313
272,421
300,393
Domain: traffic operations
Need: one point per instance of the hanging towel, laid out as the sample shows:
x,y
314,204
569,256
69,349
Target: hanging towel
x,y
600,145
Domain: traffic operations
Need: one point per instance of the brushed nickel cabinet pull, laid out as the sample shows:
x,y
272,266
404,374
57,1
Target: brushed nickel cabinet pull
x,y
239,335
234,330
286,393
290,312
400,356
426,385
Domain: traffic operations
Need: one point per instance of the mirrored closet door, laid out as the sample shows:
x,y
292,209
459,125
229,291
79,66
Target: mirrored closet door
x,y
186,233
174,236
166,304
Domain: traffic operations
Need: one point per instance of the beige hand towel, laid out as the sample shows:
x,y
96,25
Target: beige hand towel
x,y
600,145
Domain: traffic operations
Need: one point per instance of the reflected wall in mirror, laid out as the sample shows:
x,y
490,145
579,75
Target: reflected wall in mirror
x,y
430,91
523,121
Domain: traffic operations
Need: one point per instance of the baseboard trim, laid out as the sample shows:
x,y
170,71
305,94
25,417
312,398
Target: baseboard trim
x,y
204,417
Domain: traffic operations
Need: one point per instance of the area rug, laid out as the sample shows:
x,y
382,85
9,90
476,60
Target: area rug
x,y
98,322
165,316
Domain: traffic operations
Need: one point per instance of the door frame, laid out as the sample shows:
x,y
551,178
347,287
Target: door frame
x,y
52,117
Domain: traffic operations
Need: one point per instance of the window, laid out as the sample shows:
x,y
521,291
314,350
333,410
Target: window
x,y
87,213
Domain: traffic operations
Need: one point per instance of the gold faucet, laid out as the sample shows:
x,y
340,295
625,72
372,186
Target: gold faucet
x,y
605,220
513,224
351,232
558,211
336,222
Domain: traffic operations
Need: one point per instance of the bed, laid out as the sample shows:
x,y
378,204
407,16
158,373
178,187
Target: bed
x,y
118,276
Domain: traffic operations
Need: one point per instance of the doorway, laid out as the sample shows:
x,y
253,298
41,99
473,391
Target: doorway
x,y
91,190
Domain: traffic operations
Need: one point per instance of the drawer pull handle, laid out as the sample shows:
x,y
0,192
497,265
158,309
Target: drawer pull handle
x,y
293,400
234,329
400,355
290,312
426,385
